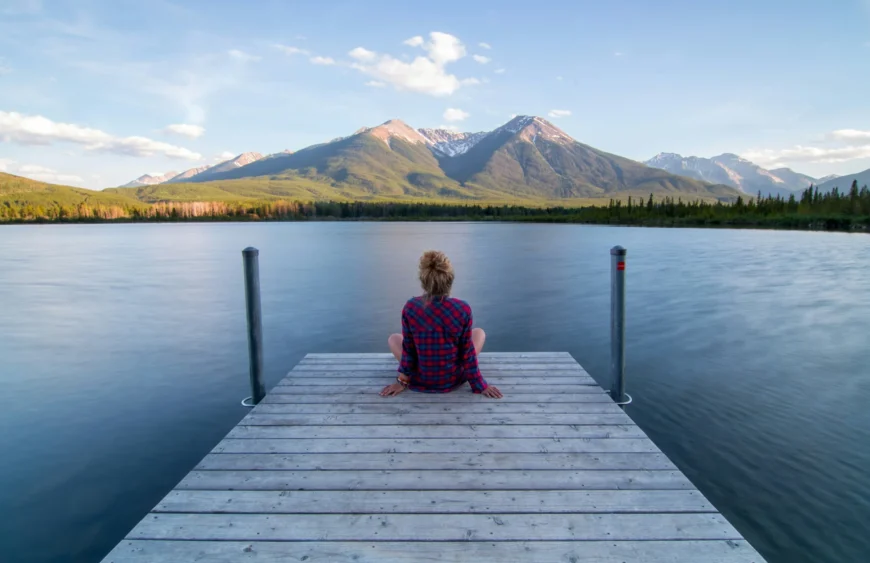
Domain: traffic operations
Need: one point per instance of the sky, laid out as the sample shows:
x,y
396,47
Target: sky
x,y
96,93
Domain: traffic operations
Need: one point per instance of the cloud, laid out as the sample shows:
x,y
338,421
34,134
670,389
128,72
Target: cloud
x,y
39,130
499,71
559,112
185,81
322,60
242,56
484,45
425,75
481,59
185,130
415,41
375,84
849,135
455,114
226,155
43,174
288,50
363,55
802,154
513,115
5,163
453,128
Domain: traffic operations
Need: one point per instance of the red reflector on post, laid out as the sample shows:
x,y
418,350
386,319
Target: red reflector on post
x,y
620,266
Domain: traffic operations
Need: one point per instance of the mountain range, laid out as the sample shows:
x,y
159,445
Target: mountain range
x,y
528,158
844,183
731,170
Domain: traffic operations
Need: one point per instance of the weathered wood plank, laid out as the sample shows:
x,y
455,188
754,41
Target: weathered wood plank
x,y
258,419
394,364
432,502
391,407
507,388
390,377
460,397
434,480
435,445
388,355
489,432
480,360
683,551
417,527
433,461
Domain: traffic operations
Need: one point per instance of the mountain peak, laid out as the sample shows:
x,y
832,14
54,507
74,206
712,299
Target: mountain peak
x,y
394,128
530,128
150,179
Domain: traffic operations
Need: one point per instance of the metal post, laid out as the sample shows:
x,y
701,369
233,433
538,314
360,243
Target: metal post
x,y
617,326
255,324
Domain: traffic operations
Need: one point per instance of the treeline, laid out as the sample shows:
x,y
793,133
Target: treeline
x,y
810,210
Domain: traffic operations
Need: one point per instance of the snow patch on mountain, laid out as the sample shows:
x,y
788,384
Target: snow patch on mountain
x,y
444,142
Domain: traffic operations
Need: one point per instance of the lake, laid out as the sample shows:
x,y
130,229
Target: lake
x,y
124,356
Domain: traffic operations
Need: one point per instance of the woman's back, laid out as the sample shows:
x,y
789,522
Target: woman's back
x,y
437,352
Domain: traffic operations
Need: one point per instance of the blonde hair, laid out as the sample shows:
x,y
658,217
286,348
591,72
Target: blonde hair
x,y
436,274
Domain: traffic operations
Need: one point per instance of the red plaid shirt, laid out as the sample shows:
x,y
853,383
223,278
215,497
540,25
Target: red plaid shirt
x,y
437,352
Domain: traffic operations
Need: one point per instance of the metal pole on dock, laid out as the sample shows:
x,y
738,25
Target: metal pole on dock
x,y
255,324
617,326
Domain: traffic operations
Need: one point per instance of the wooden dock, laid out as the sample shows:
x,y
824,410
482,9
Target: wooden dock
x,y
326,470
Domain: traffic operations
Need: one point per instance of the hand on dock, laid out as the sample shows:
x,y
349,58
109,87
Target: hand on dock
x,y
492,392
391,390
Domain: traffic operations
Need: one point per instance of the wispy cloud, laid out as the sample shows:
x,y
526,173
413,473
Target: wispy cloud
x,y
802,154
481,59
326,61
415,41
45,174
425,74
826,153
40,173
185,130
242,56
850,135
559,113
499,71
226,155
484,45
39,130
455,114
375,84
290,50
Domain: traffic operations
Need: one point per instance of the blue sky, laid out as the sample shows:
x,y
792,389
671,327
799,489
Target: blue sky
x,y
95,93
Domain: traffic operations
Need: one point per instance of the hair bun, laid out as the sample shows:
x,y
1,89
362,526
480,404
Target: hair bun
x,y
435,261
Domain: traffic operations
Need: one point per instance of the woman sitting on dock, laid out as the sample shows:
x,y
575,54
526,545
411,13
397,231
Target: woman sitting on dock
x,y
437,350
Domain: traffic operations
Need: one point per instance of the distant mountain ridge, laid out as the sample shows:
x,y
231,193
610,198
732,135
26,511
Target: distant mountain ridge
x,y
731,170
844,183
527,157
150,179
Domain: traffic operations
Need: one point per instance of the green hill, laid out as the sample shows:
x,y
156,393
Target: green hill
x,y
24,191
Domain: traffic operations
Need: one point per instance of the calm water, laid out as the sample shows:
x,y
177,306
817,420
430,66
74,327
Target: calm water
x,y
123,356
